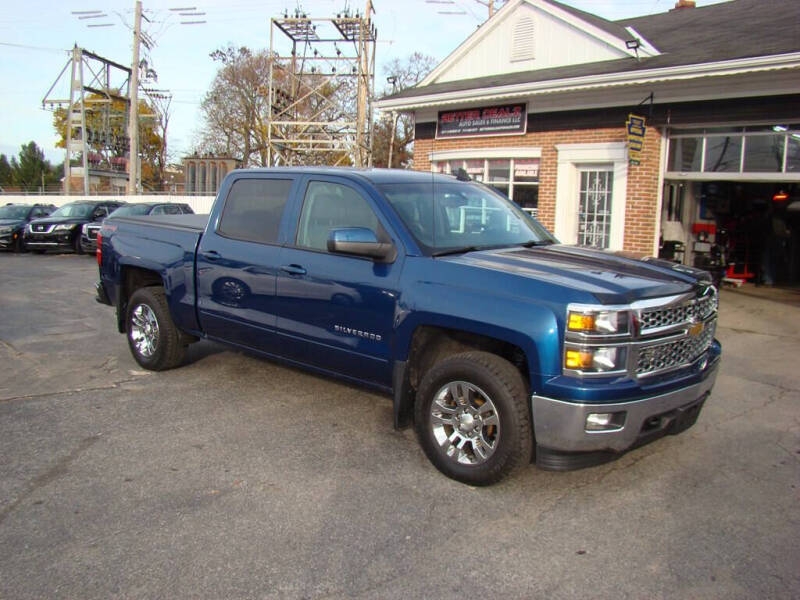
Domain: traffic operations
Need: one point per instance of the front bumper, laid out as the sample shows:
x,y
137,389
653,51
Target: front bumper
x,y
88,244
7,240
49,241
560,426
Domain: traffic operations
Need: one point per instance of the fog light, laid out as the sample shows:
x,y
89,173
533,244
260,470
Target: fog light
x,y
605,421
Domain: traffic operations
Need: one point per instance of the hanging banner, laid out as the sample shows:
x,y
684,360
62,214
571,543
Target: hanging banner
x,y
636,130
508,119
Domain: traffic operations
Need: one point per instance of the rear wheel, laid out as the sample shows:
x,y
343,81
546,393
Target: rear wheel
x,y
155,342
472,418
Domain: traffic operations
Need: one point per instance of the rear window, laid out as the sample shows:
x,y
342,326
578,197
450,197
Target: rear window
x,y
130,210
253,210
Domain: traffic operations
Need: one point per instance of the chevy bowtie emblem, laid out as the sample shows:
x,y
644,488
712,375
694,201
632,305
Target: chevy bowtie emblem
x,y
696,329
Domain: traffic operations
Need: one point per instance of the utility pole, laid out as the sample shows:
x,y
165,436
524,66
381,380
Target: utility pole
x,y
363,158
133,118
490,4
391,144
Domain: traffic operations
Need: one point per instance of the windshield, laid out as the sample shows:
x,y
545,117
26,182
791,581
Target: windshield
x,y
130,210
74,210
14,212
460,215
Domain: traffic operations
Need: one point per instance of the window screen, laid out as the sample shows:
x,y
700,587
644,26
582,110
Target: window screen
x,y
330,206
254,208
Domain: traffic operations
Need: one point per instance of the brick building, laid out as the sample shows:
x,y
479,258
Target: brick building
x,y
645,135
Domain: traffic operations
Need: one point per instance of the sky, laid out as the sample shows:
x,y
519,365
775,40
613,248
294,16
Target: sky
x,y
36,36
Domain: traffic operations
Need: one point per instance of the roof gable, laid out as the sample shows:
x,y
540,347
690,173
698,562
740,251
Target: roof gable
x,y
529,35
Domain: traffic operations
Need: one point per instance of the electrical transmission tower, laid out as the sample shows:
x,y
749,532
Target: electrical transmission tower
x,y
321,89
92,120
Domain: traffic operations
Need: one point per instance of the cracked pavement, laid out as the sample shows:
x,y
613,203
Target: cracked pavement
x,y
234,477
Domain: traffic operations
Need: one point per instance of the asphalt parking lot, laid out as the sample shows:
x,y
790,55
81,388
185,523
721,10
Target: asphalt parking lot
x,y
234,477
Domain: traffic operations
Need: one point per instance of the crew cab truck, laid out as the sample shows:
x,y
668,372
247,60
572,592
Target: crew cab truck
x,y
499,344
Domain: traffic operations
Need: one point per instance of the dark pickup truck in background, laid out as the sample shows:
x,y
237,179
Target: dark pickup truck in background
x,y
498,343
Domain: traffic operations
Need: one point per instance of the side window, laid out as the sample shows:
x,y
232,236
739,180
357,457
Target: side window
x,y
171,209
332,206
254,208
158,210
99,213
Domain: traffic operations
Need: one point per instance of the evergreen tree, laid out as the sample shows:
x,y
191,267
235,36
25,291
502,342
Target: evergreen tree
x,y
6,173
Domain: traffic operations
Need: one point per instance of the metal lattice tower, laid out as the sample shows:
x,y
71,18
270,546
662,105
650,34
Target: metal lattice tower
x,y
321,89
95,83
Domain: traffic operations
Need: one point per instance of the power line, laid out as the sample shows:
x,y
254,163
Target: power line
x,y
34,47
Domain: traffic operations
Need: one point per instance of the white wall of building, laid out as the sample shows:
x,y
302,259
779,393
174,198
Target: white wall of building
x,y
556,43
199,204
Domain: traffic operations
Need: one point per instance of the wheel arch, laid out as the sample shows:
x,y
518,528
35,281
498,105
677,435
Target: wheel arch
x,y
428,343
132,278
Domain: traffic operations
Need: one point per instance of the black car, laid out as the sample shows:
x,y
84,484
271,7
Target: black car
x,y
89,230
62,229
14,217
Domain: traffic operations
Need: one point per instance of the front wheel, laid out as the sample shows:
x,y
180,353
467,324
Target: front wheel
x,y
76,244
472,418
155,342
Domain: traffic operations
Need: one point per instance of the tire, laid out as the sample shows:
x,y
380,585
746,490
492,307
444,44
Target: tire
x,y
76,244
155,342
491,423
19,246
38,251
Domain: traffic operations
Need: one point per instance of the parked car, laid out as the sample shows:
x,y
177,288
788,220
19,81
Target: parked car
x,y
61,230
89,230
496,341
14,218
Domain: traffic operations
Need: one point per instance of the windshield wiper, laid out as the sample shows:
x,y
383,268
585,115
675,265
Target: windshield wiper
x,y
461,250
534,243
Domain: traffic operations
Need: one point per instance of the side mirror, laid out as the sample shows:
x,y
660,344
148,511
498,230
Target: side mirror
x,y
360,241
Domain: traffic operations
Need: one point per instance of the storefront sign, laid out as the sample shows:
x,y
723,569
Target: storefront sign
x,y
508,119
526,167
636,130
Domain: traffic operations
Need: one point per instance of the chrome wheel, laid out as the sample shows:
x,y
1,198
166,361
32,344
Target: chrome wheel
x,y
144,330
464,423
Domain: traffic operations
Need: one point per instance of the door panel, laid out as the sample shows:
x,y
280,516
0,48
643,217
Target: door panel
x,y
335,311
237,264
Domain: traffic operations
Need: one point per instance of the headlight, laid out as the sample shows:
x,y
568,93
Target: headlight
x,y
598,322
599,360
65,227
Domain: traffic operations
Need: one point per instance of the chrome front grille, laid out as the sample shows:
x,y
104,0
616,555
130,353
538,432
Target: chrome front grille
x,y
694,310
42,228
675,353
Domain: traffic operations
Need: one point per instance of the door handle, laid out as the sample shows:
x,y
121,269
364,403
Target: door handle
x,y
293,269
211,255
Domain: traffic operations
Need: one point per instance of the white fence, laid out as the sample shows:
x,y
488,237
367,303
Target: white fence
x,y
199,204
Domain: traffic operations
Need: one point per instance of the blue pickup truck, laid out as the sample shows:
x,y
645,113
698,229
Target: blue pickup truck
x,y
500,345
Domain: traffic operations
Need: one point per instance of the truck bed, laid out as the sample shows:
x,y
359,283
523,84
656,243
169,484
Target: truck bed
x,y
190,222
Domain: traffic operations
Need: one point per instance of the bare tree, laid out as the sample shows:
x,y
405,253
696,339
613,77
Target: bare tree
x,y
403,73
235,108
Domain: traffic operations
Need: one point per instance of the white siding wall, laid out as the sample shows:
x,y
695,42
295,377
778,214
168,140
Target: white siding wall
x,y
199,204
556,44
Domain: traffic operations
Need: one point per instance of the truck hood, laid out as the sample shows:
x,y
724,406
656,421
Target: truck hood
x,y
14,222
611,278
